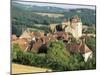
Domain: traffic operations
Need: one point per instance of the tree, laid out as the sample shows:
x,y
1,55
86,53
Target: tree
x,y
15,49
57,55
76,62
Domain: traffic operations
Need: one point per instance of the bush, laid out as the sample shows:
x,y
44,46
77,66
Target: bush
x,y
31,59
15,49
57,56
76,62
91,63
91,42
27,58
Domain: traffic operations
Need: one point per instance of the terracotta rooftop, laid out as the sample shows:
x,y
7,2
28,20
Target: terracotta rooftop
x,y
84,49
74,48
22,43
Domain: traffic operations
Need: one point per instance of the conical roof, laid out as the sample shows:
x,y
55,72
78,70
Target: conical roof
x,y
84,49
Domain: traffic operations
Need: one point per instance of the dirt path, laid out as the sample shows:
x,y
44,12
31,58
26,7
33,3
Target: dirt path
x,y
17,68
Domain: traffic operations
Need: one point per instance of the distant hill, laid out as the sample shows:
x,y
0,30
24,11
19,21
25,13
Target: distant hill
x,y
30,15
88,16
35,8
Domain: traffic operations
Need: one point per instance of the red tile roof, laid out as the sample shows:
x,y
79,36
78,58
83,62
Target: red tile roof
x,y
74,48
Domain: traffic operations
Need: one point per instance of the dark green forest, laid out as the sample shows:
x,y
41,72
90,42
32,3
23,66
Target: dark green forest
x,y
26,19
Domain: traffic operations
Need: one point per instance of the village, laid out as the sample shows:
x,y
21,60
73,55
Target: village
x,y
37,42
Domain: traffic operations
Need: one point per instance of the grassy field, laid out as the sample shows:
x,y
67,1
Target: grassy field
x,y
50,14
17,68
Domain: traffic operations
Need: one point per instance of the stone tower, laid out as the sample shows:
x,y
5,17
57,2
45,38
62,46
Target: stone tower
x,y
76,27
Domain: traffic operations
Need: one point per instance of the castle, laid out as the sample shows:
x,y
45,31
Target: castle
x,y
73,26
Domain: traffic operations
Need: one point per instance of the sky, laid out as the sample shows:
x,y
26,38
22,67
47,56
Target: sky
x,y
65,6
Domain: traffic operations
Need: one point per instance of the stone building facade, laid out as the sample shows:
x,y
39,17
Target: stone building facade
x,y
74,26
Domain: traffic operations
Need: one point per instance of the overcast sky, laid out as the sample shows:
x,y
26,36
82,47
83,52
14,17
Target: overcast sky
x,y
65,6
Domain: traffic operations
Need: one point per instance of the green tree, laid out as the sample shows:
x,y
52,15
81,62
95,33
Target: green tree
x,y
57,56
15,49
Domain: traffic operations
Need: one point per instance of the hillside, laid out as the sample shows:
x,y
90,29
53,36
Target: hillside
x,y
35,8
50,14
88,16
28,16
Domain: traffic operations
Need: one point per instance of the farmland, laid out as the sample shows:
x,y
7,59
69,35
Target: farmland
x,y
18,68
51,15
